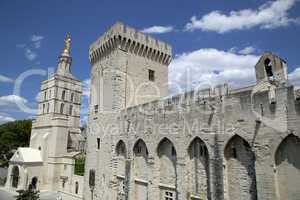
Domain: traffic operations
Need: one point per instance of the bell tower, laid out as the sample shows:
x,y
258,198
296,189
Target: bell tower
x,y
56,130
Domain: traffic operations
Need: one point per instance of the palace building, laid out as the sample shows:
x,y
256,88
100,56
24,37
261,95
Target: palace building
x,y
209,144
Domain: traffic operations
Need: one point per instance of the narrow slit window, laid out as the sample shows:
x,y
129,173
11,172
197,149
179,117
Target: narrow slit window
x,y
98,143
63,95
62,108
72,97
96,108
151,75
70,110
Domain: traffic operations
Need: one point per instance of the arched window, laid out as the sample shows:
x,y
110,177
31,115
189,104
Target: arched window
x,y
48,107
45,95
198,169
167,167
62,108
268,67
63,95
70,110
240,175
287,168
76,187
43,108
72,97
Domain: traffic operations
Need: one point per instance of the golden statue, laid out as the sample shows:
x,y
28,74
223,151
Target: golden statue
x,y
67,45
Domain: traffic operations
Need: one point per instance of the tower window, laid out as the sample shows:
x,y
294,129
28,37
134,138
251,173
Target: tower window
x,y
268,67
169,195
63,95
151,74
72,97
70,110
62,108
76,187
63,183
92,178
96,107
98,143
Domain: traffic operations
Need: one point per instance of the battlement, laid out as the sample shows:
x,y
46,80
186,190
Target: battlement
x,y
179,101
132,41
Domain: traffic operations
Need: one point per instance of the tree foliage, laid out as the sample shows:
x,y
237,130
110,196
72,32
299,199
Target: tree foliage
x,y
13,135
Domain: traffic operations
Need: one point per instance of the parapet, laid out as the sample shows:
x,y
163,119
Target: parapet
x,y
132,41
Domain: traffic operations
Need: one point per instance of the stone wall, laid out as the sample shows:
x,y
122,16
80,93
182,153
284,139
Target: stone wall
x,y
198,145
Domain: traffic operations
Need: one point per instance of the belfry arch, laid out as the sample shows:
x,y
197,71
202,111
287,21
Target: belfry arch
x,y
287,173
240,175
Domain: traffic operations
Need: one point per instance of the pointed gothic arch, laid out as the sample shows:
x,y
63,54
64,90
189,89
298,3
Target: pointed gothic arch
x,y
287,163
167,168
240,174
140,170
121,148
121,155
198,169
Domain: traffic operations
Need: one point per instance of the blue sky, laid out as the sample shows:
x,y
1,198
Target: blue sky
x,y
214,40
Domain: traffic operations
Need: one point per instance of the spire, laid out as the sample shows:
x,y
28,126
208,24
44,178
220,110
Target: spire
x,y
65,60
66,51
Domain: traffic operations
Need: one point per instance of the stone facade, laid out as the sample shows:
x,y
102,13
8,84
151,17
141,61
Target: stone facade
x,y
216,143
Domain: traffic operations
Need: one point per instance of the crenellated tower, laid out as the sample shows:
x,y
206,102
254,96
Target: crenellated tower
x,y
128,68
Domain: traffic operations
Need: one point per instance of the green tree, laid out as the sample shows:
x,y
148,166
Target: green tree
x,y
13,135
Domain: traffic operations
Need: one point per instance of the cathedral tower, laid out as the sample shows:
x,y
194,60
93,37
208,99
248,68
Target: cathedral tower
x,y
57,127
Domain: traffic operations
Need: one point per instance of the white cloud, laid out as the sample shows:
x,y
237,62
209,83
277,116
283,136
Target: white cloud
x,y
11,99
247,50
85,101
5,79
36,40
158,29
4,119
86,87
294,77
206,67
11,103
270,15
30,55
